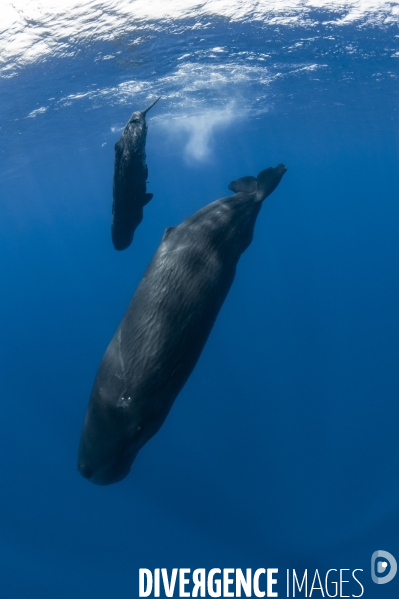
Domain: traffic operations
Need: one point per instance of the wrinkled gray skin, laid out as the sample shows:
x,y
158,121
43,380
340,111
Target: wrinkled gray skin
x,y
130,180
165,328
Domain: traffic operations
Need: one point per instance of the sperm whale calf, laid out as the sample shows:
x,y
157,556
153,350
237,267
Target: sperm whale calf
x,y
130,180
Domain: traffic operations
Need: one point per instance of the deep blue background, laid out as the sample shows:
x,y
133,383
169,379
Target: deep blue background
x,y
282,450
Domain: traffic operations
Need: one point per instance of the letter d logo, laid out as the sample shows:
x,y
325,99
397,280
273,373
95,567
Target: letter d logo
x,y
380,560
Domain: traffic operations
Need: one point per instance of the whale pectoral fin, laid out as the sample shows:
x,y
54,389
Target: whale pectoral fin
x,y
245,184
147,198
167,232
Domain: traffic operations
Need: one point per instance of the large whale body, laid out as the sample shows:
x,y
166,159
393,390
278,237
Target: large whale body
x,y
165,328
130,180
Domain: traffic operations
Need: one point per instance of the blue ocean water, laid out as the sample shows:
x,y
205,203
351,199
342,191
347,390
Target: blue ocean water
x,y
282,451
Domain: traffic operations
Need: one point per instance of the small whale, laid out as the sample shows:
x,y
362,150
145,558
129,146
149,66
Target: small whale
x,y
165,328
130,177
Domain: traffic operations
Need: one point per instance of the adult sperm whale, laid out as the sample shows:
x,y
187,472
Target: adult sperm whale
x,y
165,328
130,180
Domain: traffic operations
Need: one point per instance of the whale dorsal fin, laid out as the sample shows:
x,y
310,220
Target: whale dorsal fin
x,y
245,184
167,232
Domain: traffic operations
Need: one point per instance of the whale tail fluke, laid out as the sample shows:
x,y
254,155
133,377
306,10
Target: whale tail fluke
x,y
150,106
263,185
267,181
245,184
